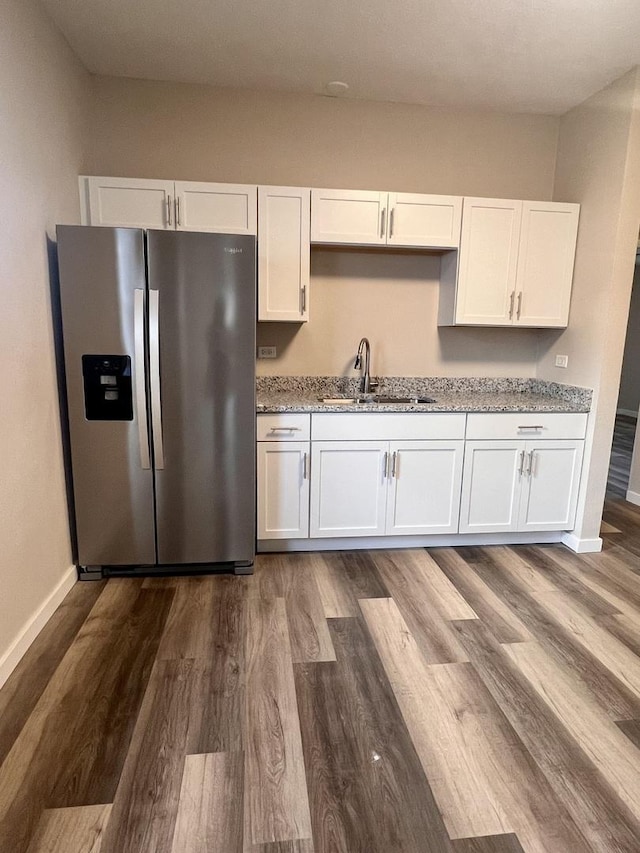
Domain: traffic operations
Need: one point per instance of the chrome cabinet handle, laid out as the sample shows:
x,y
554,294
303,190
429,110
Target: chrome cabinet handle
x,y
511,301
285,429
530,471
393,464
519,305
532,426
139,378
303,298
385,467
383,218
521,466
305,466
178,223
154,379
393,210
168,203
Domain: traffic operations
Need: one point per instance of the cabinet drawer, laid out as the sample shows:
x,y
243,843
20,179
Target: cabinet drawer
x,y
389,426
528,425
283,427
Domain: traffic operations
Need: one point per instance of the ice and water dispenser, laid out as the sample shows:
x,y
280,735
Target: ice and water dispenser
x,y
108,393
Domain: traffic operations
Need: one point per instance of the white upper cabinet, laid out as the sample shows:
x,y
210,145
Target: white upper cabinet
x,y
424,220
355,217
127,202
181,205
221,208
515,266
545,263
368,218
283,254
488,261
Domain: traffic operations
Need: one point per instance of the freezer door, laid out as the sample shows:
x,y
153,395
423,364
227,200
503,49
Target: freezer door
x,y
102,295
202,320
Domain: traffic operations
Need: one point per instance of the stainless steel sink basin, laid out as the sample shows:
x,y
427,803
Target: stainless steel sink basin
x,y
379,399
389,399
345,400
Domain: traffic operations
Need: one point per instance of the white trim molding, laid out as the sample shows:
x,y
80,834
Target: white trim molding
x,y
581,546
354,543
633,497
11,658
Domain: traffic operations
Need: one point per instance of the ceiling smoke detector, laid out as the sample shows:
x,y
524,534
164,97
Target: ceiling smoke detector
x,y
335,89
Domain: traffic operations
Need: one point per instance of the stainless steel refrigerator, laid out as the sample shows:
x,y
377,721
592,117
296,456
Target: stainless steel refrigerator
x,y
158,332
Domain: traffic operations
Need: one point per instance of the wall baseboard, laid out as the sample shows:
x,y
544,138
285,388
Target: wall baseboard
x,y
581,546
11,658
633,497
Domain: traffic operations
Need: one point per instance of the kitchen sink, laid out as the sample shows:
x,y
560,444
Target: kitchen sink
x,y
389,399
378,399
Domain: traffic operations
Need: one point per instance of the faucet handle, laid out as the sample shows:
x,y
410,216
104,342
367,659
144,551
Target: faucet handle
x,y
374,383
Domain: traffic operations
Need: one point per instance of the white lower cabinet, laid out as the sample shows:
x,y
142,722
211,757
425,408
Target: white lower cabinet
x,y
349,488
511,485
283,489
333,475
376,488
550,485
424,488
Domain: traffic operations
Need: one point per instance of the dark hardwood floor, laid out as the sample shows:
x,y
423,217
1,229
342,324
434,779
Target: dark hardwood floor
x,y
624,434
470,700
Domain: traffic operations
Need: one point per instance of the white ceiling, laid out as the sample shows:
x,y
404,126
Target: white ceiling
x,y
541,56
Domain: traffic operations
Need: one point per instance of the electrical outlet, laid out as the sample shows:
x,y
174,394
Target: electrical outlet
x,y
562,361
267,352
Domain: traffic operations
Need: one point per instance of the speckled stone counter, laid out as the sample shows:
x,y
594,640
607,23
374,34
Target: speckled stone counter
x,y
305,393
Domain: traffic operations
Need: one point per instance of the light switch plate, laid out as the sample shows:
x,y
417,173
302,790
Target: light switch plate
x,y
562,361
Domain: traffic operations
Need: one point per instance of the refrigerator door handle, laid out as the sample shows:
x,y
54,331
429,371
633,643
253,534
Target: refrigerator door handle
x,y
139,379
154,378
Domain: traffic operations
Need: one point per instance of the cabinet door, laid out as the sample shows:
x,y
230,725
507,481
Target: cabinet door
x,y
431,221
283,253
545,263
349,216
488,261
550,486
128,202
491,485
348,488
221,208
283,490
424,489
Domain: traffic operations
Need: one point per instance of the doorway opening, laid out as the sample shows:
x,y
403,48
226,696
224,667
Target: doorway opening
x,y
620,482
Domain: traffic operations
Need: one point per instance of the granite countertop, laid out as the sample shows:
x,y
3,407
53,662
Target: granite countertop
x,y
305,393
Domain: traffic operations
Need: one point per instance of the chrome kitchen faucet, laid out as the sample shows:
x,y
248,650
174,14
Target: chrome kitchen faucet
x,y
365,383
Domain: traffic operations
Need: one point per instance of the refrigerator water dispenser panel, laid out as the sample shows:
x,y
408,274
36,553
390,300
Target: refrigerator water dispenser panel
x,y
108,393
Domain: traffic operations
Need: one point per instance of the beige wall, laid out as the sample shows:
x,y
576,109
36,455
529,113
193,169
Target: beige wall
x,y
147,129
598,166
629,398
392,298
42,113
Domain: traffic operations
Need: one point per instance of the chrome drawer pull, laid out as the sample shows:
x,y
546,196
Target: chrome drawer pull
x,y
533,426
286,429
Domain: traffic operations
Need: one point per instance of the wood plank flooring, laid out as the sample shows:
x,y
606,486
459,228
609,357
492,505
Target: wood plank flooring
x,y
468,700
624,434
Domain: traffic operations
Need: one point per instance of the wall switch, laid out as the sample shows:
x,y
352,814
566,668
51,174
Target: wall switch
x,y
267,352
562,361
